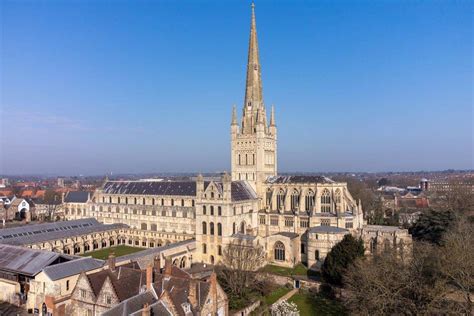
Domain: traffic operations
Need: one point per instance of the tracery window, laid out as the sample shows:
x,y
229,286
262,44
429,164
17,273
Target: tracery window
x,y
295,200
309,200
337,200
326,201
281,200
279,251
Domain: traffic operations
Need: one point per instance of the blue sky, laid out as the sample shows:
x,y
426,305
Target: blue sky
x,y
89,87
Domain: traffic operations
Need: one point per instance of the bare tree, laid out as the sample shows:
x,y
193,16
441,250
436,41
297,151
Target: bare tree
x,y
52,201
240,263
457,261
384,285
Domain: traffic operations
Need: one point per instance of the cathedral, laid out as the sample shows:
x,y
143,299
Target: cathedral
x,y
296,219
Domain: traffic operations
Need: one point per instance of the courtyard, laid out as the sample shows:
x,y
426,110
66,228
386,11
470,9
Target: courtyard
x,y
119,251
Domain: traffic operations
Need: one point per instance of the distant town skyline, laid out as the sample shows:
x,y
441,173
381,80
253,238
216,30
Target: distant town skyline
x,y
147,87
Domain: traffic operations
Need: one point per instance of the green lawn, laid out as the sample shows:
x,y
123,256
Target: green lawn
x,y
314,305
119,251
299,269
275,295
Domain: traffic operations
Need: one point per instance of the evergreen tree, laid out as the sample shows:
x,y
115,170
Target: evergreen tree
x,y
340,257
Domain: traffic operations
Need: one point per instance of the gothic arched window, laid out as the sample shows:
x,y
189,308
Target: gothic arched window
x,y
295,200
326,201
219,229
281,200
279,250
204,228
309,200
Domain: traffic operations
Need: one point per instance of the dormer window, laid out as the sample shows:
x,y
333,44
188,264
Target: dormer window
x,y
186,307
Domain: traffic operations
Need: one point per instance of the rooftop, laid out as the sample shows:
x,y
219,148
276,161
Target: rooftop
x,y
27,261
299,179
66,269
328,230
31,234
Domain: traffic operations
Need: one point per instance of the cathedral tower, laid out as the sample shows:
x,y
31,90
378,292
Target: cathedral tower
x,y
254,140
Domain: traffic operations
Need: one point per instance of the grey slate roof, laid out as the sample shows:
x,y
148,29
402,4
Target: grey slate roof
x,y
299,179
66,269
131,305
328,229
30,234
288,234
185,188
145,257
240,190
25,260
76,197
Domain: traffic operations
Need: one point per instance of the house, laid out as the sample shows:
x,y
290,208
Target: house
x,y
173,291
53,286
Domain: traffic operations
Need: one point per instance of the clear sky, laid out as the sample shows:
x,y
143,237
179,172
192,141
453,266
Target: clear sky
x,y
89,87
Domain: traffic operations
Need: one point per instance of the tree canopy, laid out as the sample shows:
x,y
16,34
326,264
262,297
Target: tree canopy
x,y
340,257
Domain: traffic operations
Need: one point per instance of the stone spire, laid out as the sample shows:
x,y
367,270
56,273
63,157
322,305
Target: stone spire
x,y
253,88
253,103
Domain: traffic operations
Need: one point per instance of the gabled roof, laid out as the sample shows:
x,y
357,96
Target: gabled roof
x,y
77,197
66,269
25,260
132,304
126,282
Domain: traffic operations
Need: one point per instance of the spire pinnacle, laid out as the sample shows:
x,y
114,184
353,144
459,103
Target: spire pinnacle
x,y
272,116
234,115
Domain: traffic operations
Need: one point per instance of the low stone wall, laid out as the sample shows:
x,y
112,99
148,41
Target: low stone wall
x,y
247,310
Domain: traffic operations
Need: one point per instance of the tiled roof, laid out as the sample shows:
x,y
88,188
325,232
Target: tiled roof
x,y
25,260
299,179
241,190
132,304
184,188
76,197
126,282
63,270
30,234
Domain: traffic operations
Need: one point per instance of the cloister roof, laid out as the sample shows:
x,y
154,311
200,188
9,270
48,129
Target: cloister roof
x,y
30,234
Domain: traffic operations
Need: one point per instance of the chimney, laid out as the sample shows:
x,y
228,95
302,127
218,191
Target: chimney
x,y
168,267
213,290
149,276
157,264
192,296
146,310
111,261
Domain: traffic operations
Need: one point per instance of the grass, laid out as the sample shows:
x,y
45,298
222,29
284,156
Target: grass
x,y
299,269
121,250
275,295
314,305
